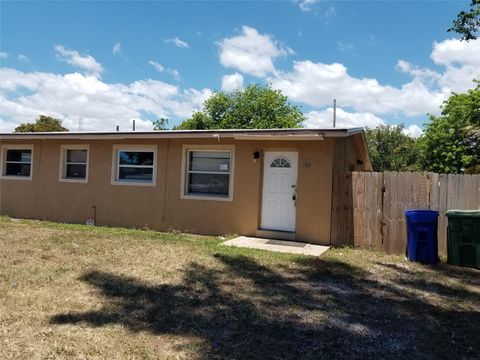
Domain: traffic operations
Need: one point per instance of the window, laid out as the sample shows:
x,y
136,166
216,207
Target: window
x,y
280,162
134,165
74,163
17,161
208,173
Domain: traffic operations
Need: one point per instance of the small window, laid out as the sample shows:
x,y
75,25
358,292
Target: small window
x,y
280,162
208,173
17,162
74,163
135,166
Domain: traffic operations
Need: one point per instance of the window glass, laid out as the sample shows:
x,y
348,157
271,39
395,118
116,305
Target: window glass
x,y
18,162
77,156
209,161
135,174
17,169
214,184
75,164
19,155
208,173
135,166
76,171
135,158
280,162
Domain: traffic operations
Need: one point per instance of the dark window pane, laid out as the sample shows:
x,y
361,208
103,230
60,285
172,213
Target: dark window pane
x,y
209,161
135,174
15,169
79,156
76,171
19,155
213,184
135,158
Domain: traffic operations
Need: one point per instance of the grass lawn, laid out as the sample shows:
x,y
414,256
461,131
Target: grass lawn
x,y
73,291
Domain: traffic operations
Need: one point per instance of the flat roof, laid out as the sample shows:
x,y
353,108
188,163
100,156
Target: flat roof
x,y
281,134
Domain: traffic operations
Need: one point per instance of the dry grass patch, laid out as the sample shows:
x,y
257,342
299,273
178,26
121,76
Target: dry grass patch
x,y
73,291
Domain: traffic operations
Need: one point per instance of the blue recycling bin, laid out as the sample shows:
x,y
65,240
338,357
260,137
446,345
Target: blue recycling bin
x,y
422,241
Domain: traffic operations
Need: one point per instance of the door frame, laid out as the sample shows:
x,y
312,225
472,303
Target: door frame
x,y
262,183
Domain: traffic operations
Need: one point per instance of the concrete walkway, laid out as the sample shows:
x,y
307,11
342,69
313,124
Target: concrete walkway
x,y
291,247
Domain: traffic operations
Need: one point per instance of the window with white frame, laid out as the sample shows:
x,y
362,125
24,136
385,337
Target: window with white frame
x,y
17,161
208,173
135,165
74,163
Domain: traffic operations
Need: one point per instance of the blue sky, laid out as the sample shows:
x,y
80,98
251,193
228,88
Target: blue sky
x,y
106,63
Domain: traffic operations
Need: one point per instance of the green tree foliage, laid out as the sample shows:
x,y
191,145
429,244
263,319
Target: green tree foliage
x,y
450,144
467,23
160,124
391,150
43,123
256,107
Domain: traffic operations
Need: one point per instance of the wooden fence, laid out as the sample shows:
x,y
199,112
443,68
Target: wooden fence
x,y
368,209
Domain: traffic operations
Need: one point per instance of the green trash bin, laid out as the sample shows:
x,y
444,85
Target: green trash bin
x,y
463,238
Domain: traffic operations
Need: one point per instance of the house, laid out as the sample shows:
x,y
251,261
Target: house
x,y
270,183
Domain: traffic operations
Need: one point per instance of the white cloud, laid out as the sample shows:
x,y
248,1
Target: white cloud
x,y
316,83
3,55
232,82
251,53
157,66
462,62
413,131
177,42
22,58
345,119
84,62
307,5
117,48
345,47
160,68
100,105
330,12
174,73
453,51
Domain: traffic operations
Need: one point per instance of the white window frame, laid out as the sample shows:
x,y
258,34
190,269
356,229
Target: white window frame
x,y
186,149
133,148
63,163
3,161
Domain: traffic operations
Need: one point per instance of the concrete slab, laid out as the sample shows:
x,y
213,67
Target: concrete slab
x,y
291,247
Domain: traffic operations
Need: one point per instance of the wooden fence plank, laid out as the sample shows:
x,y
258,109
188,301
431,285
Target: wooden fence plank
x,y
442,208
364,216
377,211
349,210
387,179
359,208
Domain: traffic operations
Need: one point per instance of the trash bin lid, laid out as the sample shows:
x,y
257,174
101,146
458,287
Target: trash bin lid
x,y
422,216
463,213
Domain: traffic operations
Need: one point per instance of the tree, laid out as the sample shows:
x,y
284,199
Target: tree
x,y
43,123
467,23
256,107
450,144
160,124
391,150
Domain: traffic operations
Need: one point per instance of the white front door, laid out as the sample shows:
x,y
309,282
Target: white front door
x,y
279,191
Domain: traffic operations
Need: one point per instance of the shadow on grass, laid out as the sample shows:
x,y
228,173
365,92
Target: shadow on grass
x,y
429,282
319,308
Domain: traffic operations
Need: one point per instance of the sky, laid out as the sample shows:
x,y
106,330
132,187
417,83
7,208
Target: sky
x,y
99,64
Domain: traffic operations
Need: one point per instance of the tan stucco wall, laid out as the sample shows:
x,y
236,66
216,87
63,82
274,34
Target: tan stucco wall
x,y
160,207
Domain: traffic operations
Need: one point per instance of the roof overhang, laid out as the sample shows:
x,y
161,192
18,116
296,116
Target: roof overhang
x,y
278,137
240,134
